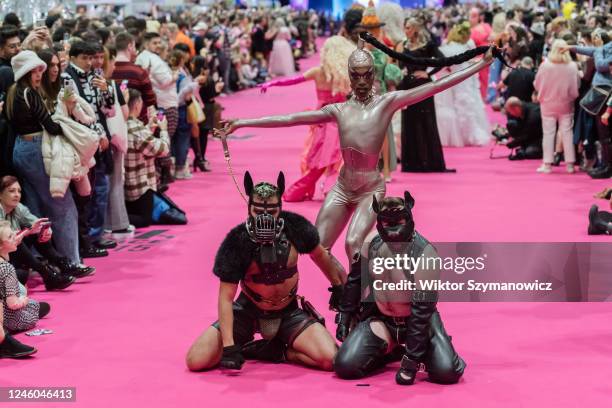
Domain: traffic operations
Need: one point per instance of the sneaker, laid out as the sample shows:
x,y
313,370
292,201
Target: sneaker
x,y
127,230
183,174
571,169
12,348
544,169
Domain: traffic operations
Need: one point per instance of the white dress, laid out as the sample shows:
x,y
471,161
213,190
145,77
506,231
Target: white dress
x,y
460,112
281,57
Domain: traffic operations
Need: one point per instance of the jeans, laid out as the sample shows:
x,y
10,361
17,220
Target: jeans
x,y
179,145
99,202
62,212
494,77
549,129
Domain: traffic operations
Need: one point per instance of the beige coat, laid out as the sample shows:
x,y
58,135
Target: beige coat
x,y
69,157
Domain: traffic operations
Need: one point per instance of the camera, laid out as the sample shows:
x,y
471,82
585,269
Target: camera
x,y
500,134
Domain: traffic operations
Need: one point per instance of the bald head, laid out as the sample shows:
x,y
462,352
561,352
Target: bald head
x,y
514,107
361,73
360,58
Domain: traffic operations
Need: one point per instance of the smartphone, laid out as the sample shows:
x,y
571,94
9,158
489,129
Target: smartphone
x,y
99,72
151,111
124,85
44,228
66,37
160,115
40,23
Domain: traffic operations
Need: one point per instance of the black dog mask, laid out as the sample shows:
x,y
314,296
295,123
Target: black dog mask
x,y
390,214
265,227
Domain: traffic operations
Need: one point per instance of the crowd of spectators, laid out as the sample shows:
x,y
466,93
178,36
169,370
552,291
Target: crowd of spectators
x,y
100,111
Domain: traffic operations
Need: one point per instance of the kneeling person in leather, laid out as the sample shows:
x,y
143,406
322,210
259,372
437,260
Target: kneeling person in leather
x,y
261,256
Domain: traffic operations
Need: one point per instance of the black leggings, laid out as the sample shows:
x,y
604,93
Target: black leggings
x,y
199,144
140,212
24,258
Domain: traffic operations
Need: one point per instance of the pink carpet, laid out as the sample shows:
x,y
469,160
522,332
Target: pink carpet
x,y
121,336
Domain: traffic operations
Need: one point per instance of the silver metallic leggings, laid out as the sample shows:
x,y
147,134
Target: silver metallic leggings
x,y
352,194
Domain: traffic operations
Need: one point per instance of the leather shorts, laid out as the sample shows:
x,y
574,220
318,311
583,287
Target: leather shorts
x,y
248,319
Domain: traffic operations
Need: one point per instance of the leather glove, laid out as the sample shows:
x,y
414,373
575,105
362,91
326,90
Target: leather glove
x,y
335,297
407,372
343,320
232,357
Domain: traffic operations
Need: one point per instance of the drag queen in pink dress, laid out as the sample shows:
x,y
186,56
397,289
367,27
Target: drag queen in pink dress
x,y
321,154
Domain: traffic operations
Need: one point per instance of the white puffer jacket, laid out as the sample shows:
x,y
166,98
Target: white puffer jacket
x,y
70,156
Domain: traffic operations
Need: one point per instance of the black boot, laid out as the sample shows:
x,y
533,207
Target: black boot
x,y
601,172
43,309
52,279
600,222
11,348
198,162
273,350
72,269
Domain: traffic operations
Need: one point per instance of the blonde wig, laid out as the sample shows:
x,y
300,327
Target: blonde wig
x,y
392,14
423,37
556,55
334,63
460,33
499,23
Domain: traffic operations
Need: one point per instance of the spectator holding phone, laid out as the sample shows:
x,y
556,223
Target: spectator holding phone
x,y
162,78
26,109
143,148
187,87
58,272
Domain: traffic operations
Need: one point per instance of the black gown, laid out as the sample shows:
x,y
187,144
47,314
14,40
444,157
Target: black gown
x,y
421,147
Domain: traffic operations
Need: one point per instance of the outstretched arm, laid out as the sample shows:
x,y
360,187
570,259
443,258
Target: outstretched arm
x,y
400,99
293,119
298,79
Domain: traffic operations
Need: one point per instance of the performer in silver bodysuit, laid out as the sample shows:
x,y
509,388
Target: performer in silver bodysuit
x,y
362,122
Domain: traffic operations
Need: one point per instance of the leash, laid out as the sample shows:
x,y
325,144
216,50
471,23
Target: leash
x,y
228,161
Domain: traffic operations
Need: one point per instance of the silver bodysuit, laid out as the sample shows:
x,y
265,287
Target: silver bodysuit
x,y
362,127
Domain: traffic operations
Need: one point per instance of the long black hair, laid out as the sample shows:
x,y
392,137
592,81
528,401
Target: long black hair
x,y
198,66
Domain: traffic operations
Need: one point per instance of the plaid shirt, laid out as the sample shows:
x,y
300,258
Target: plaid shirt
x,y
143,148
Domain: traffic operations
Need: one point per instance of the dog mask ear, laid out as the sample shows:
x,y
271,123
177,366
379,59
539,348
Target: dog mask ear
x,y
280,184
248,184
408,200
375,205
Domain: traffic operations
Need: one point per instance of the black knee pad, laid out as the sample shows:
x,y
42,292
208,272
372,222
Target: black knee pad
x,y
361,353
443,364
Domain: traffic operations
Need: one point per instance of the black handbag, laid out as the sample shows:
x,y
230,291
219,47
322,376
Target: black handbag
x,y
595,99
